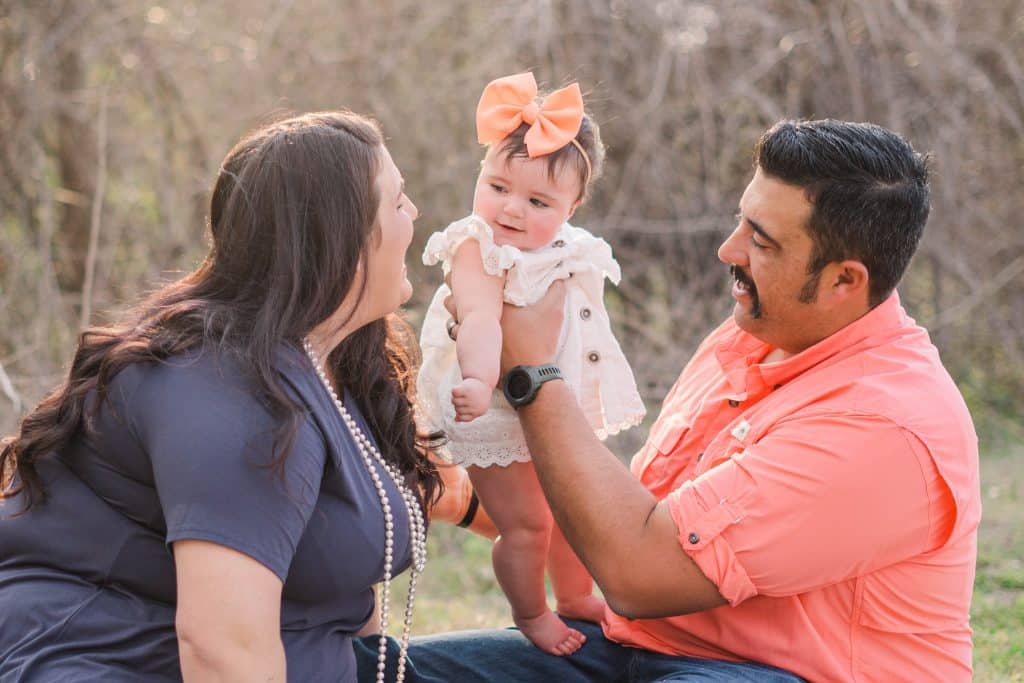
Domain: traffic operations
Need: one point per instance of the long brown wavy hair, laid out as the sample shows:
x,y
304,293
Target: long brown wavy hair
x,y
292,214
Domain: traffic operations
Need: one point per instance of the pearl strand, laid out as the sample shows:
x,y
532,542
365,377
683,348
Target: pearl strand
x,y
372,457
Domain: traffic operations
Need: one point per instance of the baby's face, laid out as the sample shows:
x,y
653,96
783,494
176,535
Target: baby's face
x,y
521,203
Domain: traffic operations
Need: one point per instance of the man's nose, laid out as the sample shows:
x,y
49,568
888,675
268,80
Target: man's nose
x,y
731,250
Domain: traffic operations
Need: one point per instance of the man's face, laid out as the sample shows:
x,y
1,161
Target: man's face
x,y
768,253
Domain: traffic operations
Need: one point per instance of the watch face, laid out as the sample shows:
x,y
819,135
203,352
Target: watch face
x,y
518,384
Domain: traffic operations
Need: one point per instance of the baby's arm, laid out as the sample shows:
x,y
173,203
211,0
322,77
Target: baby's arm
x,y
478,299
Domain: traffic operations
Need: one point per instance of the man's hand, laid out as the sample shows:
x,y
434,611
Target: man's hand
x,y
529,333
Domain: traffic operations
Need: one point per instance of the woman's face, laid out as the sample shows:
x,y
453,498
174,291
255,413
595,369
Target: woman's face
x,y
387,285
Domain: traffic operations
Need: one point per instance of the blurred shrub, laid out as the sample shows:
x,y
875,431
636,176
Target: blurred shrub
x,y
115,115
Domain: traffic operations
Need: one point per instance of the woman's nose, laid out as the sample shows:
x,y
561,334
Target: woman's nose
x,y
414,211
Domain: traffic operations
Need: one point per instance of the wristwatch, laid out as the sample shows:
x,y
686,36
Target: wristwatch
x,y
521,383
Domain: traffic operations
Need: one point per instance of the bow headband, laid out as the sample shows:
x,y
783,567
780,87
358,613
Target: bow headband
x,y
509,102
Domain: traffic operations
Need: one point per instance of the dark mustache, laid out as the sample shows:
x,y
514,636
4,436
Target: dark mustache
x,y
742,278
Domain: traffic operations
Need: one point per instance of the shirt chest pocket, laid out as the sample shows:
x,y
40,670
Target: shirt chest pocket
x,y
662,457
668,435
728,443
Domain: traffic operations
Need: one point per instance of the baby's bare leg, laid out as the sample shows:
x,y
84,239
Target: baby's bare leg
x,y
514,500
571,581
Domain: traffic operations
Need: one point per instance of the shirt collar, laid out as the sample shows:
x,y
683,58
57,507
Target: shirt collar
x,y
740,355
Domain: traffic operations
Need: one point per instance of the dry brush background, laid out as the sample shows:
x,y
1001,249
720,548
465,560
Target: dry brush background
x,y
114,115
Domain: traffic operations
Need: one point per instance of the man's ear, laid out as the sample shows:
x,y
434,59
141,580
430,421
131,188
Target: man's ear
x,y
849,280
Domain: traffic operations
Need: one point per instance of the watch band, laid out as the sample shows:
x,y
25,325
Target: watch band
x,y
521,383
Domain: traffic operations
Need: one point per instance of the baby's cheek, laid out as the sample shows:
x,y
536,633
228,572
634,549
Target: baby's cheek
x,y
545,232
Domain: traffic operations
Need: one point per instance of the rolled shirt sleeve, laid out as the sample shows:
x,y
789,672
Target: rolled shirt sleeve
x,y
817,500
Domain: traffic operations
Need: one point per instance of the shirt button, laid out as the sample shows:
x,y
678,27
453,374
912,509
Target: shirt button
x,y
693,538
585,313
593,356
558,243
733,403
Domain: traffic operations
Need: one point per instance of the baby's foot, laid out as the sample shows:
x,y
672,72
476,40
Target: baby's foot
x,y
471,398
584,608
550,633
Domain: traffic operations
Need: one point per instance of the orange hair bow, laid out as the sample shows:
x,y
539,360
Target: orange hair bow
x,y
508,102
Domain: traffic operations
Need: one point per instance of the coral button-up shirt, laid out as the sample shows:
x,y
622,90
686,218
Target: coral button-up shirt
x,y
832,497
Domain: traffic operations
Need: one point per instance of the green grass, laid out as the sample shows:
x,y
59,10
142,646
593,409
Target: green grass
x,y
997,613
458,590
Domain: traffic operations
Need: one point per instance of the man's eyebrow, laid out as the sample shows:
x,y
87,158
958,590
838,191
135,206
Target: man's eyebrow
x,y
756,227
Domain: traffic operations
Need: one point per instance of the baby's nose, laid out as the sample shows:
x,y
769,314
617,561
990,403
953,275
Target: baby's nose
x,y
514,206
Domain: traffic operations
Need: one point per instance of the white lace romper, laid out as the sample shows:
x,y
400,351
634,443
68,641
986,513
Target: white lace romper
x,y
589,356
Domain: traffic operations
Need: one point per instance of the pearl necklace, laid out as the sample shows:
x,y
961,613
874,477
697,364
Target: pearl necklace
x,y
373,460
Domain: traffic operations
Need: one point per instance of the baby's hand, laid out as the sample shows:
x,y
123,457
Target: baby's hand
x,y
471,399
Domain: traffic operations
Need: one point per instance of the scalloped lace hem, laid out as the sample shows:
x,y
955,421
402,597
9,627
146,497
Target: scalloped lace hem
x,y
612,430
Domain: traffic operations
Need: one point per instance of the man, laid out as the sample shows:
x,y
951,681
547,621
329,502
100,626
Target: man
x,y
807,502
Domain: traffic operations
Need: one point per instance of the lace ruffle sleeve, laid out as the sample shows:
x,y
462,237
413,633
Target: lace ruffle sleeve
x,y
441,246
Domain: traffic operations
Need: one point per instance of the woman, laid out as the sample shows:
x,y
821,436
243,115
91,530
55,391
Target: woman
x,y
204,496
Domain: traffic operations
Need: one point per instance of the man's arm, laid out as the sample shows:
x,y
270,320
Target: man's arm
x,y
627,539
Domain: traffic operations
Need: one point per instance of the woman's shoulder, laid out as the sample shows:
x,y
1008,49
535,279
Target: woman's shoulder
x,y
210,402
205,368
204,382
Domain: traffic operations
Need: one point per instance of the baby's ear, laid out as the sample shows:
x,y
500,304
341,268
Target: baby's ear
x,y
572,210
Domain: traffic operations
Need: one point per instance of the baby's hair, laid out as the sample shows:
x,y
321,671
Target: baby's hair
x,y
589,138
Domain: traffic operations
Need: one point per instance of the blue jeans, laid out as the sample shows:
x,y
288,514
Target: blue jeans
x,y
507,656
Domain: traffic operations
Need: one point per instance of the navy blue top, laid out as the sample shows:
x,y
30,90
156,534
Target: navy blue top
x,y
87,580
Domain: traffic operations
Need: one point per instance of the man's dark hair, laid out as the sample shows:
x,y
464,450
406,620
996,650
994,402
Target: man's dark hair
x,y
868,188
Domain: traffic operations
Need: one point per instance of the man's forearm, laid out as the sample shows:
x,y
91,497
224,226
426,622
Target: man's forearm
x,y
578,472
624,537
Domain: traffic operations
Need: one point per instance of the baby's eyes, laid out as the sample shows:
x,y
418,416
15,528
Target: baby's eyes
x,y
502,189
